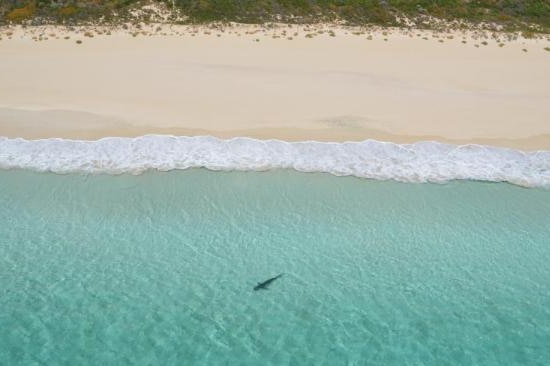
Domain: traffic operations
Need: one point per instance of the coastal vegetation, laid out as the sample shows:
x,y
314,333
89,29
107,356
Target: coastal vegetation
x,y
507,15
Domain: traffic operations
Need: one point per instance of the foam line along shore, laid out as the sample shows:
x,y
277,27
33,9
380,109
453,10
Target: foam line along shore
x,y
420,162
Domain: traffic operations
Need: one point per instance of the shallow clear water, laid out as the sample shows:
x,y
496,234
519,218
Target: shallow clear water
x,y
159,269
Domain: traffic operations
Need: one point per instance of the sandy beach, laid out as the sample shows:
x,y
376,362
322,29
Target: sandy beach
x,y
290,83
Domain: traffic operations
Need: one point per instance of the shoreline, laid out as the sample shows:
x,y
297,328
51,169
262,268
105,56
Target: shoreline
x,y
337,135
353,84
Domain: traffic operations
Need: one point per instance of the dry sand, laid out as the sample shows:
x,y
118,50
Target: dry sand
x,y
233,83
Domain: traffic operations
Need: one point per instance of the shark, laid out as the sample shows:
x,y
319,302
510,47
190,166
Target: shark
x,y
265,284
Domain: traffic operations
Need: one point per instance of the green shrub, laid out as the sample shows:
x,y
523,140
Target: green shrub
x,y
19,14
513,15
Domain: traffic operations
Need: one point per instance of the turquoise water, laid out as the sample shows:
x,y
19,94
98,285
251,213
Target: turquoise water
x,y
158,269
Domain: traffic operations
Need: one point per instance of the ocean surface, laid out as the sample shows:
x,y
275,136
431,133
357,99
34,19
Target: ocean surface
x,y
159,269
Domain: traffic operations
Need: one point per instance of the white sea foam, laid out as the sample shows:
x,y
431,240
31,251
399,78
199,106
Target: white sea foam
x,y
419,162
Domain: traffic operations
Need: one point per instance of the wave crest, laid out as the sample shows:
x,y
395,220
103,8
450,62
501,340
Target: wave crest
x,y
419,162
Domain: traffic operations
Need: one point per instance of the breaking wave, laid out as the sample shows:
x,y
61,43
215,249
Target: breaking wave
x,y
419,162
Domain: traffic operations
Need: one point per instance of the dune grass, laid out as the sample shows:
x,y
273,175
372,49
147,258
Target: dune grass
x,y
509,15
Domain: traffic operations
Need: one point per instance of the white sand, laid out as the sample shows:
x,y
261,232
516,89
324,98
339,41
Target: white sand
x,y
326,88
